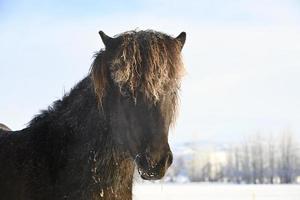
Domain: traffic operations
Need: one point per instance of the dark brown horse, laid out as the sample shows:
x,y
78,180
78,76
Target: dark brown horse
x,y
86,146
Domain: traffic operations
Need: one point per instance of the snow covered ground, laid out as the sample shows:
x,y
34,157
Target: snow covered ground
x,y
191,191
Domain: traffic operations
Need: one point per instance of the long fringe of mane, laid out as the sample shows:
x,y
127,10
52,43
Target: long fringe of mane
x,y
145,61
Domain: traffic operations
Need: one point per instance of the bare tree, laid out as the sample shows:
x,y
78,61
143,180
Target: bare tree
x,y
229,168
271,159
245,162
288,157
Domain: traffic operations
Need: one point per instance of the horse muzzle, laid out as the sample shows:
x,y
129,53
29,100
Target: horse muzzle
x,y
149,169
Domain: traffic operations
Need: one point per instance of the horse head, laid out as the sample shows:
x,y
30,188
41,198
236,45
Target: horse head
x,y
136,80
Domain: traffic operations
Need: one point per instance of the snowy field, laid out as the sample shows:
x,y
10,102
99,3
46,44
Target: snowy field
x,y
215,192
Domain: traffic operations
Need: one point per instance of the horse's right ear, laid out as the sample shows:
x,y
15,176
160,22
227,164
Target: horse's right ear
x,y
109,41
105,38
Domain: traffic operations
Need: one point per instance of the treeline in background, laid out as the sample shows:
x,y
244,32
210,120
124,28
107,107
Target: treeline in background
x,y
256,160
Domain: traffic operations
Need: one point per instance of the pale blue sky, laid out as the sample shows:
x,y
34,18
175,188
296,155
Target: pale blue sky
x,y
242,58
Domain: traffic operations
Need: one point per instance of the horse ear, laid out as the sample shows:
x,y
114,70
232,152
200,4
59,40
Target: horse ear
x,y
105,38
181,38
109,41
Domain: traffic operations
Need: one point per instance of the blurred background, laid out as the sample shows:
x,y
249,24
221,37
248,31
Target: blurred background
x,y
239,119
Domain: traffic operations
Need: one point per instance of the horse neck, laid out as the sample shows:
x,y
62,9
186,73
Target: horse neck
x,y
76,114
78,117
112,169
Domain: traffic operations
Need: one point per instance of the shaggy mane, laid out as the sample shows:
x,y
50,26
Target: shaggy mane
x,y
145,61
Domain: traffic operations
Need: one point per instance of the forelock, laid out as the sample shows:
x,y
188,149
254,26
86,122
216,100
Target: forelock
x,y
148,61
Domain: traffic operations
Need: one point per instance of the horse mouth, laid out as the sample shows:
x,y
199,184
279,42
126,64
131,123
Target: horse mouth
x,y
149,170
150,174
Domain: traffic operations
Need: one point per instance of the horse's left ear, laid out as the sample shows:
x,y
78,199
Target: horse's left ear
x,y
181,38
